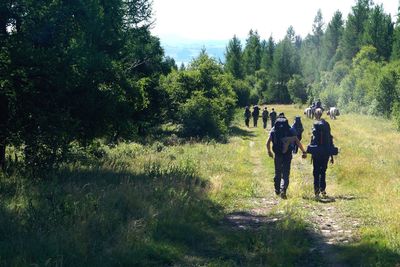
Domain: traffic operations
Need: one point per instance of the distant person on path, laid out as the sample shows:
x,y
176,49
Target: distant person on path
x,y
255,114
264,115
321,148
319,105
282,137
272,116
298,127
247,115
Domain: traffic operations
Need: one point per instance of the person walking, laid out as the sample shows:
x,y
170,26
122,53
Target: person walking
x,y
272,116
247,115
265,117
298,127
321,147
282,137
255,114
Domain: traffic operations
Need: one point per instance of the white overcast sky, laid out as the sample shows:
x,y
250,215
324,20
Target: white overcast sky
x,y
221,19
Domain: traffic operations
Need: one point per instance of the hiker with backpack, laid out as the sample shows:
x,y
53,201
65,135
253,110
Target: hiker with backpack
x,y
264,116
321,148
255,114
272,116
282,138
247,115
298,127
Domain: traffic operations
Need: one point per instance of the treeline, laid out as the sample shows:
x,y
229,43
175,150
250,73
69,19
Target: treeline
x,y
352,63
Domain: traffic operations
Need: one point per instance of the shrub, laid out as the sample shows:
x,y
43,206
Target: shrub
x,y
202,116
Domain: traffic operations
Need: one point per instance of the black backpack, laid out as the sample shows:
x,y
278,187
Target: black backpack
x,y
281,130
321,134
322,141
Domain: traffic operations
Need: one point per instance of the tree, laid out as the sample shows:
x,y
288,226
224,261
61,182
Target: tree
x,y
252,53
396,38
233,58
330,41
379,32
354,30
106,51
286,63
297,89
268,50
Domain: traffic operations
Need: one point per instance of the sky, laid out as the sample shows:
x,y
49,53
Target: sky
x,y
221,19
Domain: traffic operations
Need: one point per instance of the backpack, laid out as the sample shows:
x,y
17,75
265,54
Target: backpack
x,y
281,130
321,142
321,134
298,126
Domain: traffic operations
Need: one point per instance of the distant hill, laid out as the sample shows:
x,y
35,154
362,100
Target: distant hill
x,y
183,51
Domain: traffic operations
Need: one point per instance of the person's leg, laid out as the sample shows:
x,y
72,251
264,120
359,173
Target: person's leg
x,y
287,159
247,122
316,171
278,160
324,166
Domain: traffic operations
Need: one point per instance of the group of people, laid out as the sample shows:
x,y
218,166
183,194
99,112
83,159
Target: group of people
x,y
256,114
285,141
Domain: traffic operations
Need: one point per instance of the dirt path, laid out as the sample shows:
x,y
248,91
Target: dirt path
x,y
330,227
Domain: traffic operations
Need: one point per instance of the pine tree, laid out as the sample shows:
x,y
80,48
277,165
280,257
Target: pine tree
x,y
252,53
379,32
331,40
267,58
396,38
233,57
354,30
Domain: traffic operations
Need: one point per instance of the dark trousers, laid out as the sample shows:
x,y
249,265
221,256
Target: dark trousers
x,y
255,119
282,171
247,121
272,122
319,172
265,123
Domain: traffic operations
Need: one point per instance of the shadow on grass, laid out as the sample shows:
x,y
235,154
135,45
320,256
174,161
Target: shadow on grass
x,y
239,132
158,216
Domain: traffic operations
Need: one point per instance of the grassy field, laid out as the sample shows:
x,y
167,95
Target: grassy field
x,y
209,204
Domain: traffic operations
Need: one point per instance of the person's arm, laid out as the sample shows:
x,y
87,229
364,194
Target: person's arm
x,y
269,147
301,148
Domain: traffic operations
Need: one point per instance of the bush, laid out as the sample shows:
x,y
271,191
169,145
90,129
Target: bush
x,y
202,117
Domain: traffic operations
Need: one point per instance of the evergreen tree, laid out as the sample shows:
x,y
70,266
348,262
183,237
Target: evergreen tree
x,y
252,53
396,38
330,42
268,54
379,31
233,57
354,30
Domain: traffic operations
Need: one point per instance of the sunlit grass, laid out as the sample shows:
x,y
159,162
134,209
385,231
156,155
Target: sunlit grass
x,y
158,205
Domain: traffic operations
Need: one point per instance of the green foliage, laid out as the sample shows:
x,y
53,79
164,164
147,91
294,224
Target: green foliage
x,y
203,117
379,32
297,89
201,98
242,90
111,62
233,58
252,53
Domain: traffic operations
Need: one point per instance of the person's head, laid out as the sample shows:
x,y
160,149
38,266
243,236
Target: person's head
x,y
318,113
281,115
265,108
273,109
297,119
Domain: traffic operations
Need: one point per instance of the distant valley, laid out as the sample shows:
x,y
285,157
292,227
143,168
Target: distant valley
x,y
185,51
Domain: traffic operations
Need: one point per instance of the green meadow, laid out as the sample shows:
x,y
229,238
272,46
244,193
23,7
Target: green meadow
x,y
178,202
